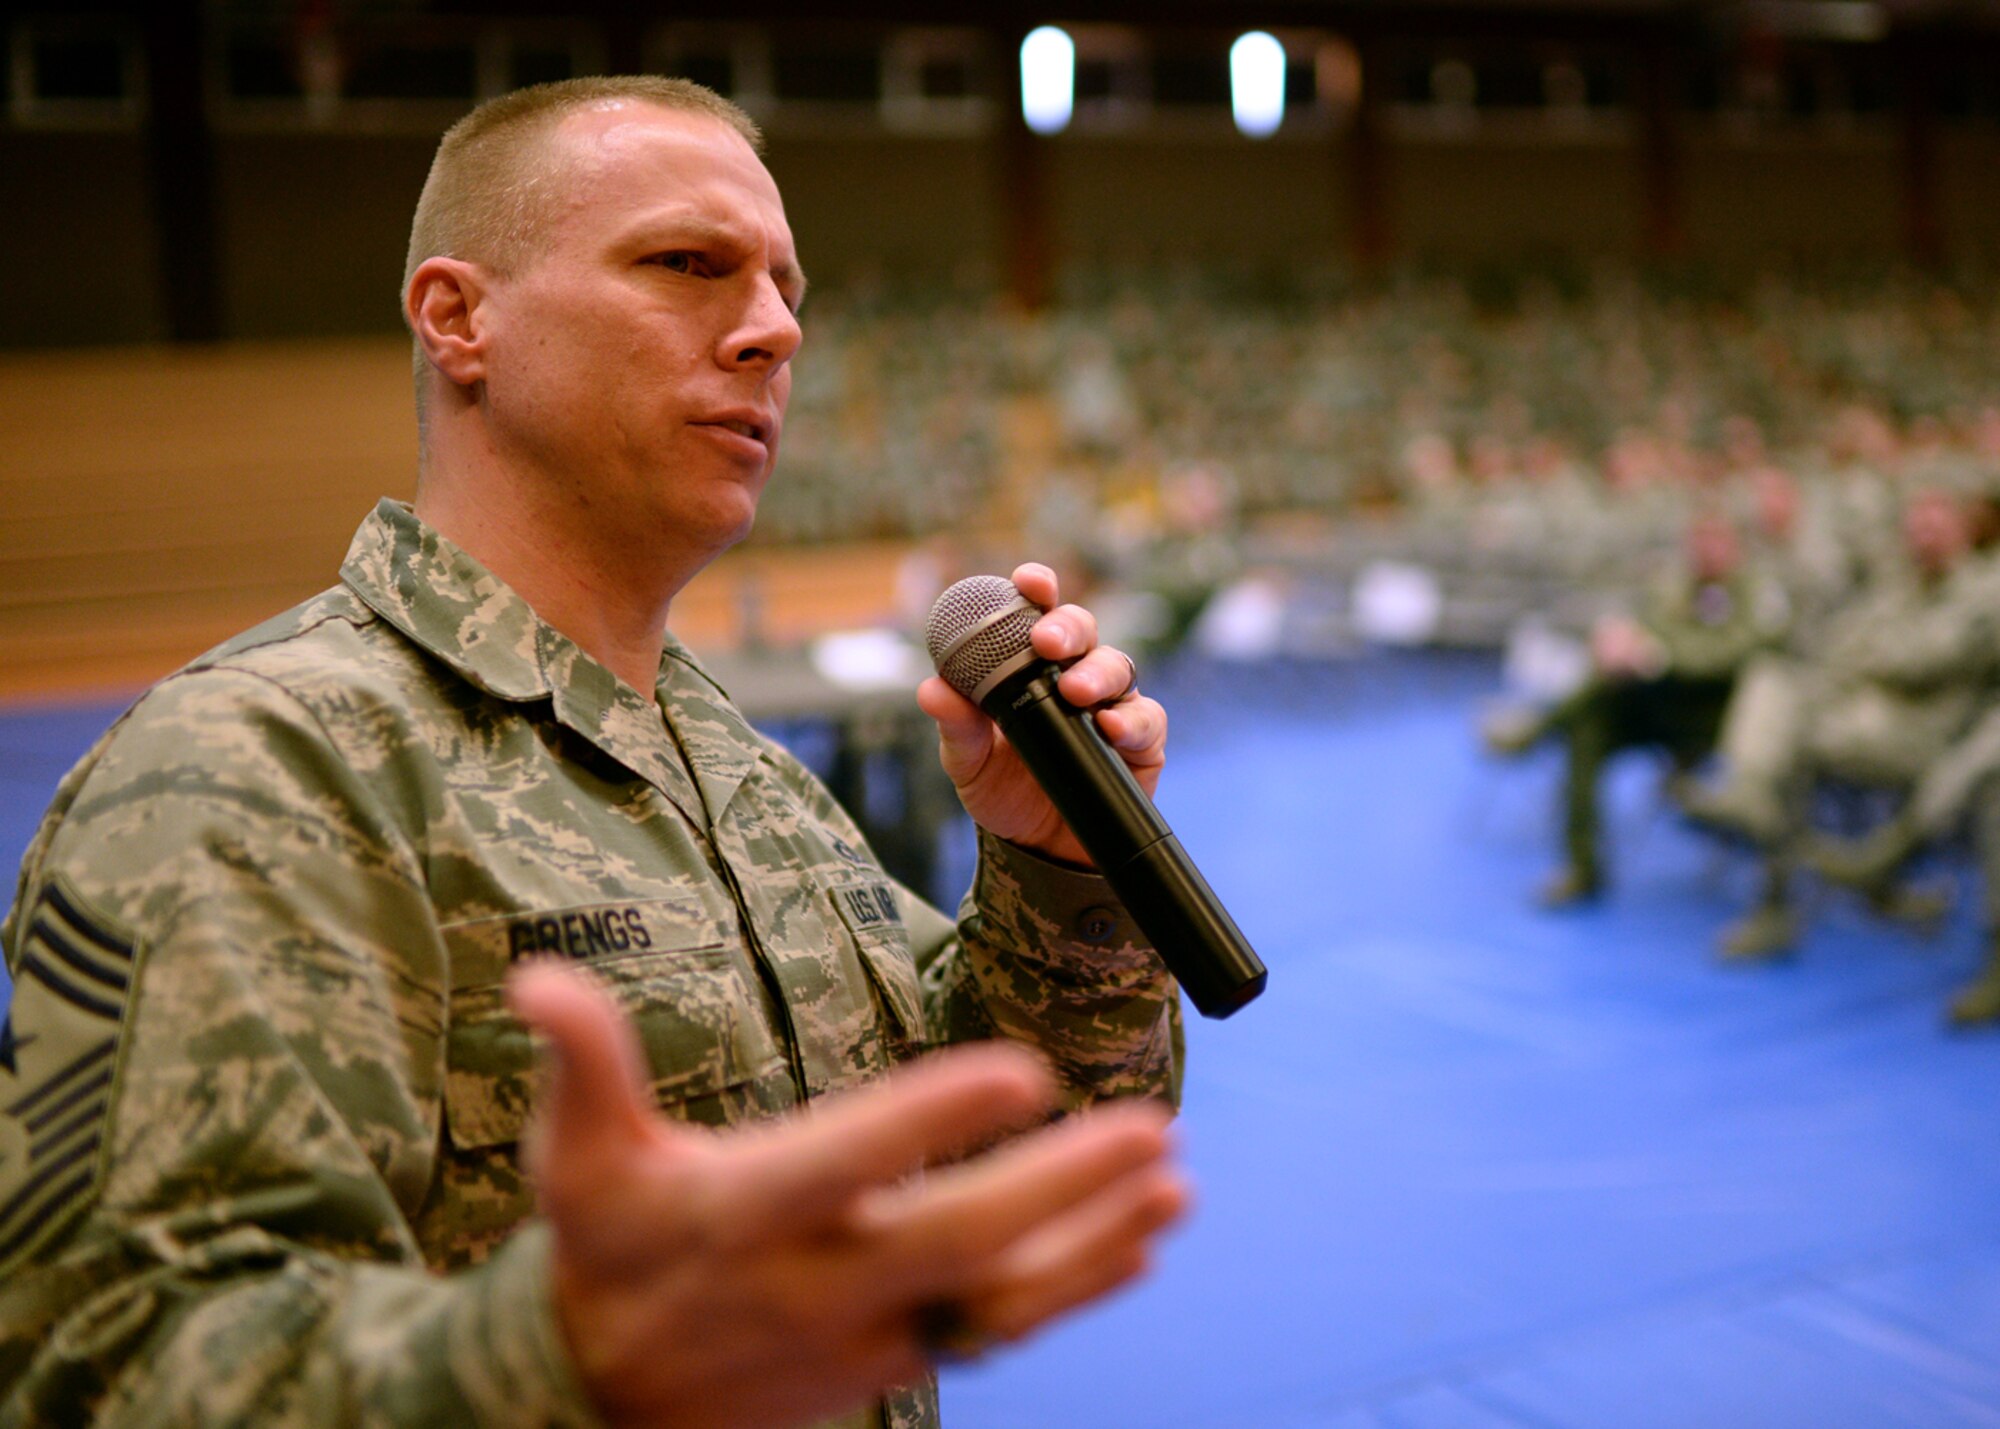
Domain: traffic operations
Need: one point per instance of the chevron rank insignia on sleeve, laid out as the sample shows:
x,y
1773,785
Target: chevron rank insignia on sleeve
x,y
58,1049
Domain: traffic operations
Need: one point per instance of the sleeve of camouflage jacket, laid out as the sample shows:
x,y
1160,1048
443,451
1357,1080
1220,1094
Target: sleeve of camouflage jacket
x,y
229,916
1046,955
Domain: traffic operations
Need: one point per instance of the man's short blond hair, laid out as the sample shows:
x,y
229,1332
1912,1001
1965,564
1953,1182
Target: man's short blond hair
x,y
492,186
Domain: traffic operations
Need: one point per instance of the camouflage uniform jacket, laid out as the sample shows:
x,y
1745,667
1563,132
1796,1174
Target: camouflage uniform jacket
x,y
260,1084
1905,672
1920,638
1708,628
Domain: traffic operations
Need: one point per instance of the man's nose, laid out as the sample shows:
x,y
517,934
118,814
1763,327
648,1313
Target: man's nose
x,y
769,332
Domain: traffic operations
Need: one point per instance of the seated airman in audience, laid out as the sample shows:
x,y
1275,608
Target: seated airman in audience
x,y
1660,680
1901,675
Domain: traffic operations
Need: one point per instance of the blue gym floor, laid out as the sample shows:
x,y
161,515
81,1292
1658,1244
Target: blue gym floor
x,y
1470,1164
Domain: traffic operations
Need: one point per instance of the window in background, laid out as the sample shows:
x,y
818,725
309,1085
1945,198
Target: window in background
x,y
1704,87
1864,82
1607,79
732,60
1509,90
80,66
1444,97
1192,73
1509,79
1785,85
410,64
74,73
1113,82
387,75
1332,80
937,81
259,65
1964,88
834,68
542,54
1301,81
715,71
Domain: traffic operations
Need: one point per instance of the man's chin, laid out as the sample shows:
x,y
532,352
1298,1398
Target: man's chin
x,y
752,500
732,523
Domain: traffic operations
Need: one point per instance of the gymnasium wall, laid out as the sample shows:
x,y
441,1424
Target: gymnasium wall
x,y
157,499
161,499
312,226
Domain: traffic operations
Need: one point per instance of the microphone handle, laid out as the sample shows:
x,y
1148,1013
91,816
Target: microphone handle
x,y
1130,843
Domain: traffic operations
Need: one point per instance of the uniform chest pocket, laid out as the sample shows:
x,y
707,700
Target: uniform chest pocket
x,y
869,911
698,1016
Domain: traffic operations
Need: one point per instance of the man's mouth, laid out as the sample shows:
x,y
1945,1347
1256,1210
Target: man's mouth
x,y
757,431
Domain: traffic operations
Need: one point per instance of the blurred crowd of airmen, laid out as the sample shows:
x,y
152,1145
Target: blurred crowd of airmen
x,y
917,404
1820,666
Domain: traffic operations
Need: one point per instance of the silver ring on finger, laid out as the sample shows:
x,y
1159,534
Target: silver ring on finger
x,y
1131,679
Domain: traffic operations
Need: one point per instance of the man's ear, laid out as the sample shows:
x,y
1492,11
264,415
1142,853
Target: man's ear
x,y
442,304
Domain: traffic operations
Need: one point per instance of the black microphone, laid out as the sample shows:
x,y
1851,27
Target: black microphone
x,y
978,639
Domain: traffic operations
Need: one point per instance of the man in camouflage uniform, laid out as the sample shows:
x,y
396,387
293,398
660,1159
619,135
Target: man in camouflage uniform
x,y
1661,680
1899,677
272,1147
1960,790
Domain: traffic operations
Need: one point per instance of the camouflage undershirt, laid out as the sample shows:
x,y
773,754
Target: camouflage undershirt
x,y
258,1086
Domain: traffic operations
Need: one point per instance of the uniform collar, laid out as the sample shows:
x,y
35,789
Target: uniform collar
x,y
721,746
449,604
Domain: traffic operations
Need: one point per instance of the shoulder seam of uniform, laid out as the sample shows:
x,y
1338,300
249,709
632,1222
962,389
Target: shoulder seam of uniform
x,y
230,668
365,616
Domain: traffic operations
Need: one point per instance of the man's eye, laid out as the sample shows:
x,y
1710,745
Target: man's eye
x,y
679,262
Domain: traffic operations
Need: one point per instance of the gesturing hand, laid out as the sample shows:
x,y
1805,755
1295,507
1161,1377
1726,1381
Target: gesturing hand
x,y
781,1273
994,785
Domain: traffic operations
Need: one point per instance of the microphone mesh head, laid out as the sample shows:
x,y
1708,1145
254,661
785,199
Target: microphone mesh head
x,y
977,626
